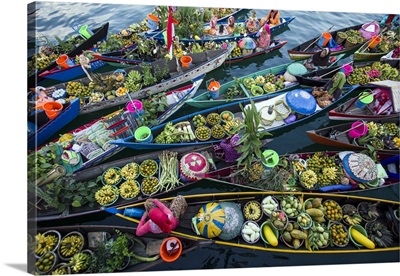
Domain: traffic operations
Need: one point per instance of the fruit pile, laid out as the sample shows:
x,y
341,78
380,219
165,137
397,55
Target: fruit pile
x,y
236,52
45,263
339,234
291,206
279,219
70,245
250,232
252,211
121,91
199,120
249,82
106,195
308,179
269,204
45,243
129,189
260,80
130,171
203,133
213,118
350,215
148,168
325,168
318,236
313,207
80,261
293,236
375,72
149,185
112,176
304,220
333,210
78,89
217,131
226,116
96,97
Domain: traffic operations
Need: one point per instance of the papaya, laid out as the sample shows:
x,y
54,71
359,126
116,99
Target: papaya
x,y
297,234
316,202
314,212
286,236
296,243
361,239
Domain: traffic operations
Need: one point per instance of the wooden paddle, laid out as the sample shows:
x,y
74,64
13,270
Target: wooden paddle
x,y
320,77
317,39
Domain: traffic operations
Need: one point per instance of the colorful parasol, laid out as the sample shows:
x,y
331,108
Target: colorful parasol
x,y
210,220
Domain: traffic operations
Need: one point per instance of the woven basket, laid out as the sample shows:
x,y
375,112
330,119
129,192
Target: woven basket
x,y
348,44
282,110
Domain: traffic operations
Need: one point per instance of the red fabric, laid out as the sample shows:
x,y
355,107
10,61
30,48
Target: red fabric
x,y
161,219
266,26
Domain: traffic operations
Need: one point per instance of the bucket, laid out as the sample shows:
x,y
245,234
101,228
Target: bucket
x,y
186,61
213,87
272,158
64,61
374,41
135,104
85,31
52,109
324,39
170,249
358,129
364,99
152,21
347,69
141,132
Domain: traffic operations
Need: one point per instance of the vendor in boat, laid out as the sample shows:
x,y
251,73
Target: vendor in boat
x,y
251,25
213,23
231,24
264,40
161,219
272,18
335,85
319,60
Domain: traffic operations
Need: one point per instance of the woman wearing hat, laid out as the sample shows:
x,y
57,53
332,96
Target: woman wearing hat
x,y
265,38
161,219
272,18
319,60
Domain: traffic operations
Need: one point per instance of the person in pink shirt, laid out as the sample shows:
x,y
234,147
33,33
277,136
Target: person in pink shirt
x,y
265,37
161,219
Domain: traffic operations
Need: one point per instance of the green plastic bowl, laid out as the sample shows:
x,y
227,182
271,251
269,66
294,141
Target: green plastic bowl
x,y
360,229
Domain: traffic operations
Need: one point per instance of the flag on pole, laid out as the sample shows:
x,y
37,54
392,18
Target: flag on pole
x,y
170,31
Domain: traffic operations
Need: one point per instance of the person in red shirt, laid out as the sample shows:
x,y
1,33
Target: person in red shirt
x,y
161,219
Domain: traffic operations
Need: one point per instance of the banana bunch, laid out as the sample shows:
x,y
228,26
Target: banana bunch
x,y
80,261
70,245
112,176
352,220
45,243
252,211
130,171
236,52
106,195
230,126
330,173
308,178
129,189
318,236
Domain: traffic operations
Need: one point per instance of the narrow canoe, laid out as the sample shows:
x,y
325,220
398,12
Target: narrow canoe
x,y
204,100
100,33
309,48
285,21
116,125
145,246
294,164
337,136
204,203
393,61
202,63
41,127
374,48
385,104
277,120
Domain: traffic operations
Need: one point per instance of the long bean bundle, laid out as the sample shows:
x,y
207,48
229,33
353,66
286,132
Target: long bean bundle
x,y
169,177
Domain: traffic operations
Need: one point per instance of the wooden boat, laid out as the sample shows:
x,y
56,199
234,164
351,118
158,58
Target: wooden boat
x,y
71,73
361,73
40,213
94,138
147,246
285,21
40,127
201,205
202,63
278,119
285,175
99,34
309,48
375,48
203,100
381,107
337,136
